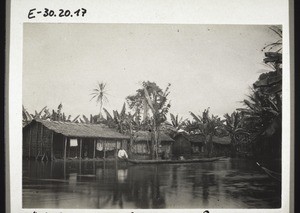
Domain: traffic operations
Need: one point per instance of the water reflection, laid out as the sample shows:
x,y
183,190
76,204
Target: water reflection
x,y
106,185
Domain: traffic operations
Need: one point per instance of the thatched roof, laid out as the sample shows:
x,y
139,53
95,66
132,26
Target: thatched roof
x,y
81,130
193,138
196,138
221,140
146,136
199,138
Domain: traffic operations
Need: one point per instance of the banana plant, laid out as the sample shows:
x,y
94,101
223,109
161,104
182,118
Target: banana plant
x,y
177,124
206,125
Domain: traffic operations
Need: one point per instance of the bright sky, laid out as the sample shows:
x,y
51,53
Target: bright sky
x,y
207,65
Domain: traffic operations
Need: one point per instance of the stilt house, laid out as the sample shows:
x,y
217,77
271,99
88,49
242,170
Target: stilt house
x,y
52,140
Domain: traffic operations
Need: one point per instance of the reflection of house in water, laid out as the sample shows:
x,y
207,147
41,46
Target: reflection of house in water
x,y
144,187
142,142
53,140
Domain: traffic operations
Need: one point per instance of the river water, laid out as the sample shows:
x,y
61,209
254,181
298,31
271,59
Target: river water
x,y
229,183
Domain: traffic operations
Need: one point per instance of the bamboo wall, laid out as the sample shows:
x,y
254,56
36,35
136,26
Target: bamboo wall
x,y
36,139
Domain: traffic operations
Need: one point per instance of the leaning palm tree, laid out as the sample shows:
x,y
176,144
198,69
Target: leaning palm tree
x,y
100,93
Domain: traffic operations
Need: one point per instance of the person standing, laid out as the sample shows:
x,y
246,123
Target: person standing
x,y
122,154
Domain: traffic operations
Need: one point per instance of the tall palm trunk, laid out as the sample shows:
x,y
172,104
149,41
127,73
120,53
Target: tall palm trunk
x,y
100,111
145,107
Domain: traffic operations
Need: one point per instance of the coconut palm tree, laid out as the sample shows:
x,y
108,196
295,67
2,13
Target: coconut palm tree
x,y
100,94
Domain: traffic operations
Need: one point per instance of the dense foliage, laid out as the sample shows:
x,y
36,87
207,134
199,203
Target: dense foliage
x,y
257,124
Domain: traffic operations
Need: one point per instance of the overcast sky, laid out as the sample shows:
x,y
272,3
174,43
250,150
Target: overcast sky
x,y
207,65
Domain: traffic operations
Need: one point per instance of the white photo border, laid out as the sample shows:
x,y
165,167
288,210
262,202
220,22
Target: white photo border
x,y
240,12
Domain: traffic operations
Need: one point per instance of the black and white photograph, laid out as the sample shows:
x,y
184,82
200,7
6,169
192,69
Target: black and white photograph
x,y
152,116
149,106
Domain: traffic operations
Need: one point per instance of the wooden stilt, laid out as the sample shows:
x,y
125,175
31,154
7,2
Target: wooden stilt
x,y
42,147
52,158
69,148
94,154
29,144
65,149
80,149
65,176
116,150
104,152
80,170
37,139
94,167
51,169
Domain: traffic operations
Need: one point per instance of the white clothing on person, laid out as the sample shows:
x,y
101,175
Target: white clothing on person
x,y
122,154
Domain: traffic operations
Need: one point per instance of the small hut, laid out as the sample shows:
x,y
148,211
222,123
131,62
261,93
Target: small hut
x,y
221,146
52,140
187,145
142,142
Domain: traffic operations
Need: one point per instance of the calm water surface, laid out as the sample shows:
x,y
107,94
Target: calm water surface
x,y
231,183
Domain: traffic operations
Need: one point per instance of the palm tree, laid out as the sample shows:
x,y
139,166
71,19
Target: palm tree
x,y
262,115
263,108
234,127
151,97
27,117
100,93
208,126
44,114
123,122
176,125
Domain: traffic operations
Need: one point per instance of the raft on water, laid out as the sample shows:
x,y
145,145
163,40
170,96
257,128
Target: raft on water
x,y
201,160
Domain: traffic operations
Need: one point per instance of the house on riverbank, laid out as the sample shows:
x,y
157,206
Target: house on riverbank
x,y
221,146
142,142
188,145
194,145
50,140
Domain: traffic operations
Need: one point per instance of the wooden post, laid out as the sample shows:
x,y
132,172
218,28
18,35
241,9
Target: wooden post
x,y
80,148
69,147
29,144
51,169
65,172
94,154
80,170
42,128
65,149
104,143
37,139
52,157
116,150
